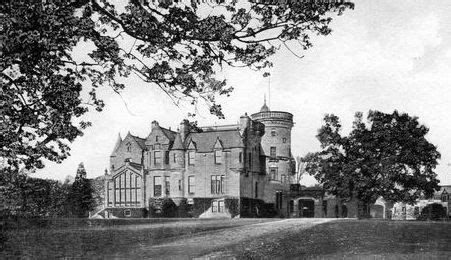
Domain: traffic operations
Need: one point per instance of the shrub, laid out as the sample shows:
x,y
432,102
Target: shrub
x,y
183,210
433,211
168,209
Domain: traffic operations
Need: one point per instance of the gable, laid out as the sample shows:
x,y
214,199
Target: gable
x,y
192,145
128,167
208,141
218,144
160,136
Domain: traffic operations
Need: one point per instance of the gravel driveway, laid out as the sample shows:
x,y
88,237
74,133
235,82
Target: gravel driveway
x,y
213,243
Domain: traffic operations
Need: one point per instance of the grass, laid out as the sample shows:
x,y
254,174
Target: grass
x,y
338,239
55,239
350,238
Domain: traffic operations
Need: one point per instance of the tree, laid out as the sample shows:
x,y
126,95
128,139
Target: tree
x,y
434,211
300,171
388,156
178,47
23,196
80,197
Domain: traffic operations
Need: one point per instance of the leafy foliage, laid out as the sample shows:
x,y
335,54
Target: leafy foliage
x,y
80,197
25,197
389,157
174,46
433,211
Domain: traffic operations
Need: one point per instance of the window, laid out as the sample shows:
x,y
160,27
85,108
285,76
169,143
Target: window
x,y
157,186
127,213
174,158
191,157
110,193
168,186
129,147
217,206
240,157
157,157
191,184
180,185
218,156
284,178
125,190
272,152
273,173
217,184
249,160
156,138
166,157
284,140
221,206
214,206
273,132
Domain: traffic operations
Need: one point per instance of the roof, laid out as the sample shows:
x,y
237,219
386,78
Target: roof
x,y
140,141
169,133
205,141
446,188
178,144
264,108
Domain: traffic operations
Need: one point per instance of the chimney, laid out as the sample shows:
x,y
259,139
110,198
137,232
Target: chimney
x,y
184,129
155,124
244,122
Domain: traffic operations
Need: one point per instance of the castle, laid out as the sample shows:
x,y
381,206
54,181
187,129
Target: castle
x,y
219,171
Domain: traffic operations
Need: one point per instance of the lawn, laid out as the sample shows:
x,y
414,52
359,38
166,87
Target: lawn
x,y
352,238
284,239
87,239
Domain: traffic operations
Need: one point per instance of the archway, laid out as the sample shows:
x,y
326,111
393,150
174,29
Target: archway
x,y
306,208
344,211
377,211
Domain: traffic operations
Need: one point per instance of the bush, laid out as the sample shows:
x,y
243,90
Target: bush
x,y
168,209
183,210
433,211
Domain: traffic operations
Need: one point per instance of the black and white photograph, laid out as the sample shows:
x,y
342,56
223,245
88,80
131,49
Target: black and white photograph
x,y
225,129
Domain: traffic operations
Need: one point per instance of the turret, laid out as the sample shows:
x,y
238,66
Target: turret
x,y
276,141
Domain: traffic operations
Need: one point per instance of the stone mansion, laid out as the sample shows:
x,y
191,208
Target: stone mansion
x,y
218,171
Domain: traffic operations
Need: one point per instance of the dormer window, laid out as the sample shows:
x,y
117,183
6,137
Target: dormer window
x,y
218,156
191,157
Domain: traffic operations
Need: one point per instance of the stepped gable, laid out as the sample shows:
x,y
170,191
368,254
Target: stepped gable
x,y
205,141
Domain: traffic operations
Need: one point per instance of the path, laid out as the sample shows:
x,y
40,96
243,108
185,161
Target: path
x,y
209,242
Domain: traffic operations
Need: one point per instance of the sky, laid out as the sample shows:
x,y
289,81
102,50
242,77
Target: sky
x,y
383,55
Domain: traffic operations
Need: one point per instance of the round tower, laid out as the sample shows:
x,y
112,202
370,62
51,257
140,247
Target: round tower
x,y
276,142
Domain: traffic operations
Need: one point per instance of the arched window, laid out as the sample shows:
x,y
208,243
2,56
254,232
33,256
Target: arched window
x,y
129,147
127,190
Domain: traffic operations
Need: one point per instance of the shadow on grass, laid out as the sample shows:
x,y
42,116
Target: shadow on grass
x,y
351,237
103,239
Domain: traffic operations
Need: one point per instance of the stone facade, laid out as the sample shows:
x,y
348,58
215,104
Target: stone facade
x,y
403,211
219,171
